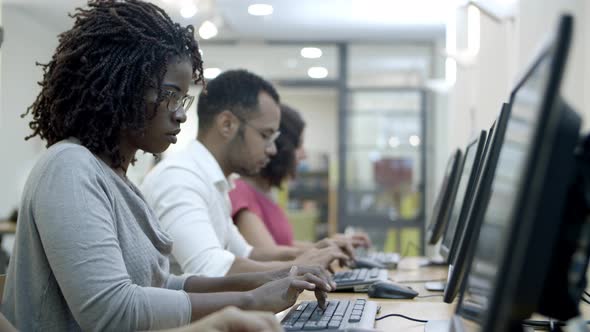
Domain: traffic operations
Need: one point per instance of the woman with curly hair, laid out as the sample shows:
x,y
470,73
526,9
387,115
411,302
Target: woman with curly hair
x,y
261,221
89,253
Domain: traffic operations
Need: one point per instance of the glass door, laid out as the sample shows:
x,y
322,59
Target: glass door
x,y
382,187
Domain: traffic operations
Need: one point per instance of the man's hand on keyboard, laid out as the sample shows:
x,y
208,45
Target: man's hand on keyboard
x,y
279,295
322,257
344,244
301,271
358,239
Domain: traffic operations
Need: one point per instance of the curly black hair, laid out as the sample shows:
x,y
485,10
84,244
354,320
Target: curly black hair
x,y
95,84
283,163
233,90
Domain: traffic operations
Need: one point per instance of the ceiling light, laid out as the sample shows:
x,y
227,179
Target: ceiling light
x,y
211,73
394,142
414,140
207,30
311,52
260,9
188,10
317,72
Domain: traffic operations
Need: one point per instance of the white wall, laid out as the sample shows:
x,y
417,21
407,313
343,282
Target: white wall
x,y
506,50
319,108
482,86
26,40
535,22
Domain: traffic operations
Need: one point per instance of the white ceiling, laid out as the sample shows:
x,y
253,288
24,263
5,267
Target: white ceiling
x,y
384,26
333,20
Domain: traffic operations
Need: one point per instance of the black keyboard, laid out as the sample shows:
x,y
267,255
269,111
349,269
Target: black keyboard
x,y
358,279
339,314
387,259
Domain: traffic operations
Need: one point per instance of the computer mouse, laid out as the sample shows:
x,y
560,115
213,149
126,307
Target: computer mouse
x,y
360,263
390,290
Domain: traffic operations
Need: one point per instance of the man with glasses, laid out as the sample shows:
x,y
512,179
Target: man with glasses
x,y
239,117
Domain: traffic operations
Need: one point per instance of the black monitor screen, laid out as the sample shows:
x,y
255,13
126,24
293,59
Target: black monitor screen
x,y
529,131
463,196
440,213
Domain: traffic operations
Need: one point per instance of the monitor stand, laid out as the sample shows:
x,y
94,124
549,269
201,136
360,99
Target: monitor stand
x,y
435,286
434,261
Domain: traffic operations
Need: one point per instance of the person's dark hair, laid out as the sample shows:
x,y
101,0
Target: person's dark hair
x,y
283,163
233,90
95,84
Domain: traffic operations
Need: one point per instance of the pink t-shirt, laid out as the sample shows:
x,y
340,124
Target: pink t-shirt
x,y
244,196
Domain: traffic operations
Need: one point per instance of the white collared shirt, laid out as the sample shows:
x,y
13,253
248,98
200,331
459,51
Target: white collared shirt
x,y
189,194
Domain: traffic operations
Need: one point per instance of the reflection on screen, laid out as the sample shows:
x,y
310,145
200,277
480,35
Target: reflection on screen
x,y
510,170
460,197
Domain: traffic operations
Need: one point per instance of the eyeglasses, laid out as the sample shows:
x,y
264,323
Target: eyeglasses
x,y
175,101
269,138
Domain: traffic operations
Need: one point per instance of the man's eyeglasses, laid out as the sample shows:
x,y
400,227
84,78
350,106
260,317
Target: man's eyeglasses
x,y
175,101
269,138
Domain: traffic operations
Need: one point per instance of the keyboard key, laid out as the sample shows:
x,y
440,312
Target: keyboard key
x,y
341,310
357,312
332,305
354,318
374,273
323,324
311,326
302,306
298,325
363,274
334,324
309,309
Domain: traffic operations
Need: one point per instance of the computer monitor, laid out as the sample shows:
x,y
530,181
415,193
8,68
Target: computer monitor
x,y
524,213
465,238
460,229
459,206
440,213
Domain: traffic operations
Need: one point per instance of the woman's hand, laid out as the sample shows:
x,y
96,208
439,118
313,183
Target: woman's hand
x,y
281,294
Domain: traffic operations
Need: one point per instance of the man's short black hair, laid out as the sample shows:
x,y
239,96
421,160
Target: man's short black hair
x,y
283,164
235,91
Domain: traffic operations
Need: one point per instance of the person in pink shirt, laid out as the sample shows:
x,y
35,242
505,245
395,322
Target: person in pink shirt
x,y
261,221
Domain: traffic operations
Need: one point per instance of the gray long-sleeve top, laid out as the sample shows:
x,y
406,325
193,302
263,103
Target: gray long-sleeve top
x,y
89,254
